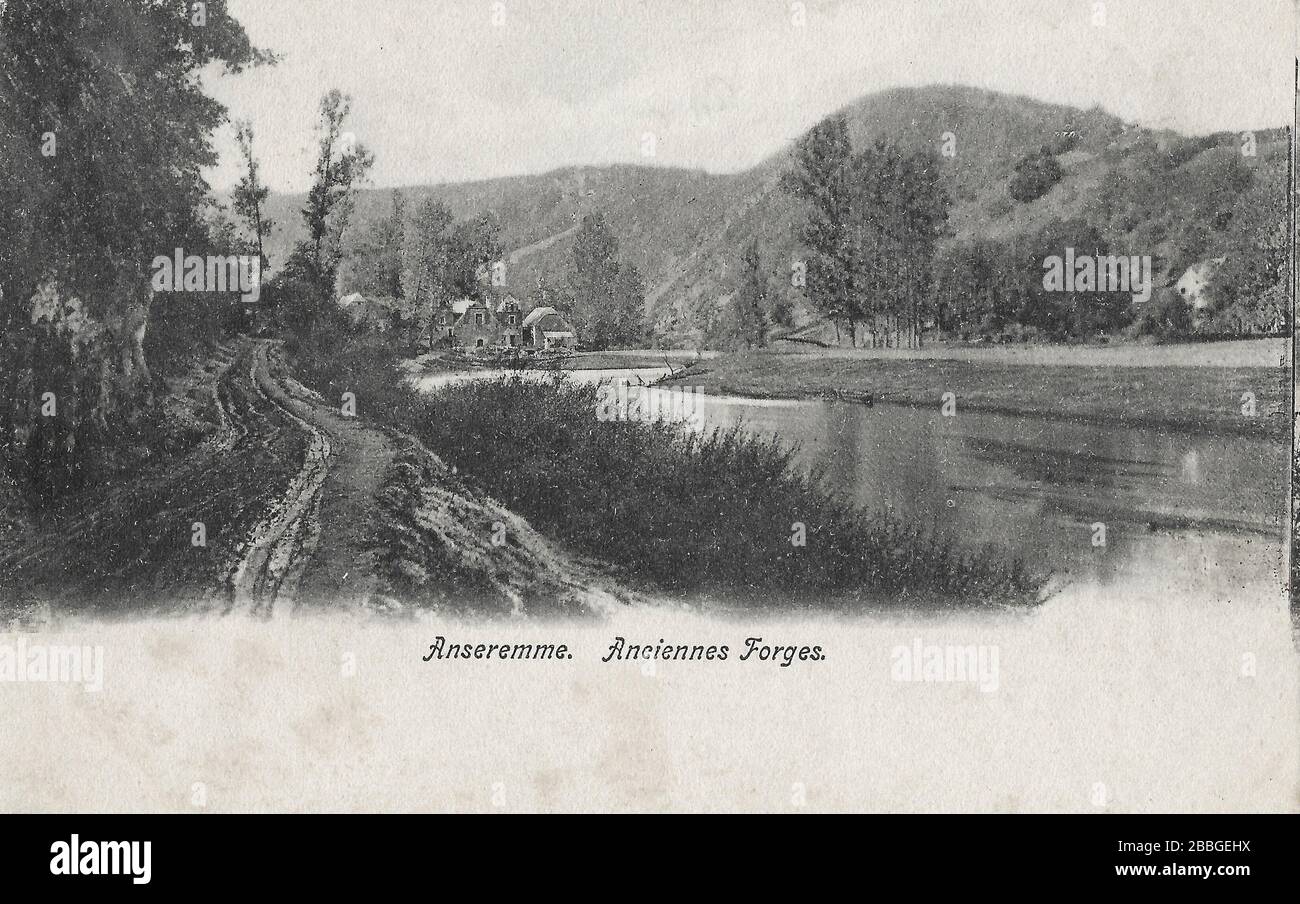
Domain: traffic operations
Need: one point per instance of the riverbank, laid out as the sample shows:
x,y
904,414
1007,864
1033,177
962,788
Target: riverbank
x,y
1090,389
722,513
636,359
660,510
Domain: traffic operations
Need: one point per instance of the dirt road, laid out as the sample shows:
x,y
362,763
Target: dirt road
x,y
289,504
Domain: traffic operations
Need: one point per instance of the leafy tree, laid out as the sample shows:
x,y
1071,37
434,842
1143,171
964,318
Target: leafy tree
x,y
105,134
970,287
546,295
781,312
900,214
1166,316
628,310
1251,283
373,264
249,196
750,301
341,164
1083,312
423,273
873,221
424,265
821,178
608,295
473,248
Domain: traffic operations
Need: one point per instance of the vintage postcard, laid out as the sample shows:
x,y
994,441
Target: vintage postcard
x,y
647,406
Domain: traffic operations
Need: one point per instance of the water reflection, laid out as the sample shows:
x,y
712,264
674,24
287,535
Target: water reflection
x,y
1197,517
1200,515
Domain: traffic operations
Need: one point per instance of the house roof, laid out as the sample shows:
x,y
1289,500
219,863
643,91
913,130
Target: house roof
x,y
554,325
348,300
461,305
537,314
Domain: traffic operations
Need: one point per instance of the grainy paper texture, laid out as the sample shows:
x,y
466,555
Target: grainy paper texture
x,y
560,405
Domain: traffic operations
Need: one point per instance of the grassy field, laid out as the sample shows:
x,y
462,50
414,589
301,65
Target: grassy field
x,y
1266,353
1202,399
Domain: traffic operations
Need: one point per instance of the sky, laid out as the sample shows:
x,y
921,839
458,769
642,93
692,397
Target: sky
x,y
454,90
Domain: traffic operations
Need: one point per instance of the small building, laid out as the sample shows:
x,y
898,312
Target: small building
x,y
443,328
1195,282
509,319
489,322
494,321
547,328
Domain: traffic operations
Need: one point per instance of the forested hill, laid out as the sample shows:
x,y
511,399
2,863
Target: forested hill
x,y
1148,192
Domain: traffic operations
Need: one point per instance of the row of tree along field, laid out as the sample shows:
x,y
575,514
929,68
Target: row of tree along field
x,y
875,217
882,263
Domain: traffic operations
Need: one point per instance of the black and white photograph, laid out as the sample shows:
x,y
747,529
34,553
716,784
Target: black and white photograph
x,y
647,406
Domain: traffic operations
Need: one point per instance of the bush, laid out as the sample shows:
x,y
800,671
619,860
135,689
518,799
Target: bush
x,y
1181,150
686,511
1166,316
1035,176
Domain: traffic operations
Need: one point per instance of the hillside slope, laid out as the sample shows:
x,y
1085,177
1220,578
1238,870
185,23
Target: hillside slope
x,y
1152,192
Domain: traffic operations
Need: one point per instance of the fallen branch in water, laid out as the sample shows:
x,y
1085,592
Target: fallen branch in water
x,y
682,374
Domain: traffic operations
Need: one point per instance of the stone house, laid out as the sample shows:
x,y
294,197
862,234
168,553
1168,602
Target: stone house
x,y
491,322
546,328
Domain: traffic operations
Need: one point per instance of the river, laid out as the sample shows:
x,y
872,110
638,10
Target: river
x,y
1196,516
